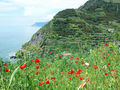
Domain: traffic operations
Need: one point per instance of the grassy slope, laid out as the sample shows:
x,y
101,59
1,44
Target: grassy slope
x,y
97,80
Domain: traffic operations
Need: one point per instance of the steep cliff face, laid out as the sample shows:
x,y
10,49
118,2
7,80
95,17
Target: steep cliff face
x,y
88,25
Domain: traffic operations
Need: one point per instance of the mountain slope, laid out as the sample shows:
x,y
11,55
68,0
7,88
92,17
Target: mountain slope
x,y
83,28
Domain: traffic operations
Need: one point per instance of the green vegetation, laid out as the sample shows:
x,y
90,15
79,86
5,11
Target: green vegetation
x,y
75,48
98,69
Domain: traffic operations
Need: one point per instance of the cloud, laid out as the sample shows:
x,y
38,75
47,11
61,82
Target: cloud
x,y
42,10
5,6
46,8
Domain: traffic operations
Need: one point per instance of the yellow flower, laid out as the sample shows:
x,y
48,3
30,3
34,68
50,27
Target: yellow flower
x,y
82,58
37,88
8,69
86,73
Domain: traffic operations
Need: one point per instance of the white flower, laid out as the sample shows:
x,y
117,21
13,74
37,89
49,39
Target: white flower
x,y
87,64
104,67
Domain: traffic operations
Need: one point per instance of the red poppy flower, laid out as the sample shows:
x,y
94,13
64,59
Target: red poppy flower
x,y
81,78
77,58
99,50
5,64
32,59
71,72
106,73
69,78
52,73
76,62
95,67
106,83
106,44
37,60
109,63
60,56
61,72
71,58
55,80
7,70
24,69
37,67
41,79
113,70
115,77
52,77
87,80
82,63
23,66
41,83
50,51
37,73
47,82
104,57
78,72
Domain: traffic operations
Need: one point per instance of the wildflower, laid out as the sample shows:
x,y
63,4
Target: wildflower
x,y
76,62
104,57
23,66
41,83
104,67
71,58
24,69
47,82
86,73
37,67
106,44
7,70
54,80
82,63
78,72
41,79
106,73
106,83
95,67
69,78
71,72
61,72
52,73
60,56
115,77
77,58
100,51
37,61
87,64
109,63
113,70
81,78
5,64
50,51
37,73
82,58
52,77
87,80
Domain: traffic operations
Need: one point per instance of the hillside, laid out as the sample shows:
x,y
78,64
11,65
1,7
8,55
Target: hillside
x,y
98,21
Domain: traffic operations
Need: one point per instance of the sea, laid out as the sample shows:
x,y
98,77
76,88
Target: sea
x,y
13,37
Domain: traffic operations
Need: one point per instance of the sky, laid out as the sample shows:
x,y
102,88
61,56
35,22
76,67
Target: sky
x,y
27,12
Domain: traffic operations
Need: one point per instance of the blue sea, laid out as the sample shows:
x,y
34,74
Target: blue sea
x,y
13,37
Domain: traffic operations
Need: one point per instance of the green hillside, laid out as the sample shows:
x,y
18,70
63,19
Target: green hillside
x,y
96,22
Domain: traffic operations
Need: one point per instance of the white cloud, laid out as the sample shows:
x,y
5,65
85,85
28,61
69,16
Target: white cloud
x,y
4,7
46,8
40,10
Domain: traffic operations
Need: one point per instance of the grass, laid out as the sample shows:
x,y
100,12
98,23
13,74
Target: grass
x,y
61,72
